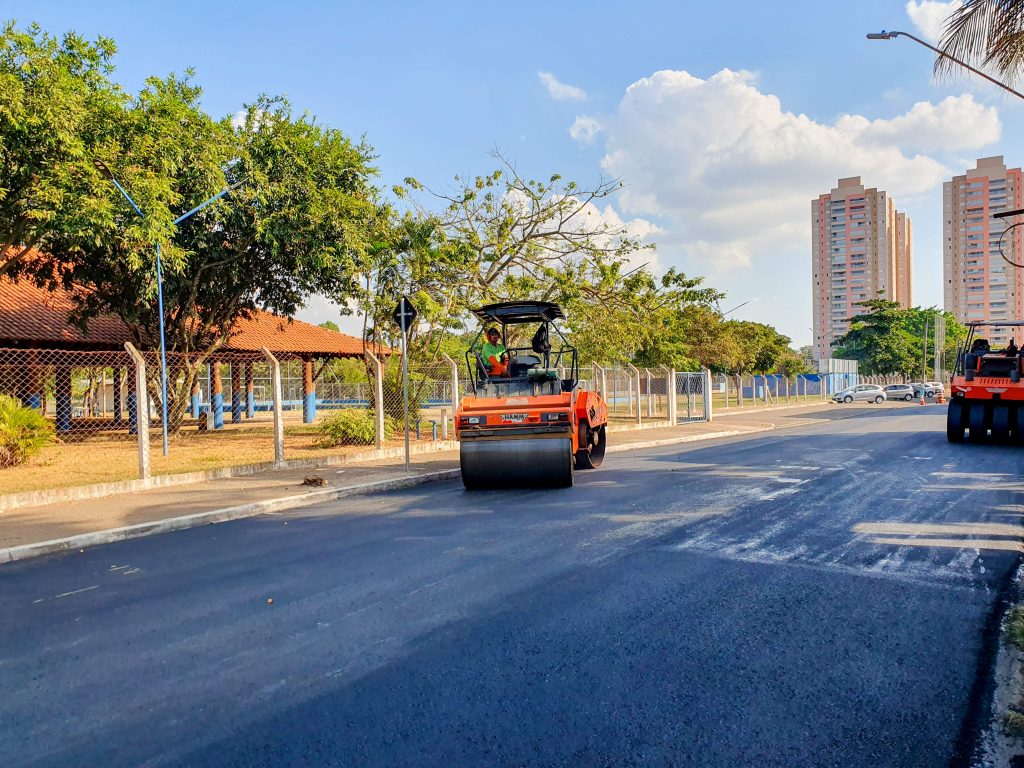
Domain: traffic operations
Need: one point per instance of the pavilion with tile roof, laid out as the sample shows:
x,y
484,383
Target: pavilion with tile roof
x,y
36,319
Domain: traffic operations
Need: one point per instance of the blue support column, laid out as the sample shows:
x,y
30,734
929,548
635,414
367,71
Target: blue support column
x,y
196,401
63,397
116,390
308,392
218,398
250,396
236,392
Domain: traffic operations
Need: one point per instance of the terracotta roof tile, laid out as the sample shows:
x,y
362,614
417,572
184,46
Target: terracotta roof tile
x,y
30,315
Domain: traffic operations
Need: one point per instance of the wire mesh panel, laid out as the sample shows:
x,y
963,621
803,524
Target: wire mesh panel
x,y
219,410
621,396
690,404
654,387
86,405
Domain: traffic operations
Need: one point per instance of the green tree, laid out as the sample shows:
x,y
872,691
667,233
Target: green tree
x,y
499,237
330,325
55,96
759,348
301,222
888,339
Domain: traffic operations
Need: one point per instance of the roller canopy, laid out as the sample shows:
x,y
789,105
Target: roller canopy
x,y
513,312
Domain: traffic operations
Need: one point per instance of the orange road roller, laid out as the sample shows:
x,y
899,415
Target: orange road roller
x,y
530,422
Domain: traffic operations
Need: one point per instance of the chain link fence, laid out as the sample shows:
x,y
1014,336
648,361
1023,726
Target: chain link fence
x,y
235,408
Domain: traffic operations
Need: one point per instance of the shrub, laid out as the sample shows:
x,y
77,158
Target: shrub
x,y
23,432
347,427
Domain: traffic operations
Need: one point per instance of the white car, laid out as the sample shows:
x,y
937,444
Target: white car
x,y
865,393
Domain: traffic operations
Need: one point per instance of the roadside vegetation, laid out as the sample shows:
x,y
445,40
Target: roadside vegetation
x,y
24,432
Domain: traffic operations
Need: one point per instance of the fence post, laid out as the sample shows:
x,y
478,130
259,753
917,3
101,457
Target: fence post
x,y
455,382
670,389
141,409
275,389
708,399
378,396
636,378
603,392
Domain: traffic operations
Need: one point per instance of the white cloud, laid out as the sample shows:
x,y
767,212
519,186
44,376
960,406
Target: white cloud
x,y
729,174
929,16
955,123
585,129
561,91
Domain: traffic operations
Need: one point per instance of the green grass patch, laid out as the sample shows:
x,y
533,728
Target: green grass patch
x,y
1015,627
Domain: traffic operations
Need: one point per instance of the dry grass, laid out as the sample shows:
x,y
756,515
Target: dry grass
x,y
106,460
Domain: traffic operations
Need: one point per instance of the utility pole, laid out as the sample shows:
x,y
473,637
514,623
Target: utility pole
x,y
924,359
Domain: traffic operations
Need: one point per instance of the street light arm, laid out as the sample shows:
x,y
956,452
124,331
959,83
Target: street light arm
x,y
127,196
896,33
213,199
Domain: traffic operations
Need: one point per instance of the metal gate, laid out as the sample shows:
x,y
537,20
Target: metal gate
x,y
690,397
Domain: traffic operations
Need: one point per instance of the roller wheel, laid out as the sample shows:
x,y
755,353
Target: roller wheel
x,y
976,426
1000,422
593,455
955,421
848,399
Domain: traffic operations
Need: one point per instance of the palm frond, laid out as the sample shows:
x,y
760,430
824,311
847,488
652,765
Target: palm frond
x,y
987,34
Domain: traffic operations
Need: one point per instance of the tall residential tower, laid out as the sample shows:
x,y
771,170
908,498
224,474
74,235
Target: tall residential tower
x,y
977,283
860,250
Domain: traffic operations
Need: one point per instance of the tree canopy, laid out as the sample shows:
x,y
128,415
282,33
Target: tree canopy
x,y
889,339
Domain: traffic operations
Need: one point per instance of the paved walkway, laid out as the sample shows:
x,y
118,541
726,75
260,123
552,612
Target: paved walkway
x,y
56,521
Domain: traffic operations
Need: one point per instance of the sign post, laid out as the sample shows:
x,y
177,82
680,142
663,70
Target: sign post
x,y
404,315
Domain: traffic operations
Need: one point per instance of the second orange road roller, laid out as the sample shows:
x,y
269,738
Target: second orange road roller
x,y
529,423
986,391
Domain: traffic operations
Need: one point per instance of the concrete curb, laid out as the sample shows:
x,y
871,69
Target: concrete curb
x,y
80,541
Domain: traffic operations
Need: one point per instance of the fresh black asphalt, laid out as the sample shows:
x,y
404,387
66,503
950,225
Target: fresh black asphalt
x,y
825,595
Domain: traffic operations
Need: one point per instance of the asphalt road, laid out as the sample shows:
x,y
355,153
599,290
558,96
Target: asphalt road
x,y
820,596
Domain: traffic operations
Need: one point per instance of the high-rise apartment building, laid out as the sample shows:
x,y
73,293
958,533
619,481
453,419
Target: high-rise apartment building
x,y
978,283
860,250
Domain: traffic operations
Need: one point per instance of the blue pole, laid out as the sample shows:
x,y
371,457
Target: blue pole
x,y
163,342
218,398
236,393
62,382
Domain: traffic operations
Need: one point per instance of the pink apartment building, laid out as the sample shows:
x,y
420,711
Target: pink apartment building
x,y
978,284
860,249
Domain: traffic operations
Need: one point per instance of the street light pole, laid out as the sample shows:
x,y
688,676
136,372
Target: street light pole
x,y
106,172
883,35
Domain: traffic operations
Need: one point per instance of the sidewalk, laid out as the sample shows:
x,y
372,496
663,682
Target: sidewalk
x,y
32,531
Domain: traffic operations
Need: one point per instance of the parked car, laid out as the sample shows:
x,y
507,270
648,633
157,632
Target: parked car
x,y
865,393
899,392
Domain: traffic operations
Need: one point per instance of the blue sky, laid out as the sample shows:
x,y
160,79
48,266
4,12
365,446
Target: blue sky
x,y
724,120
